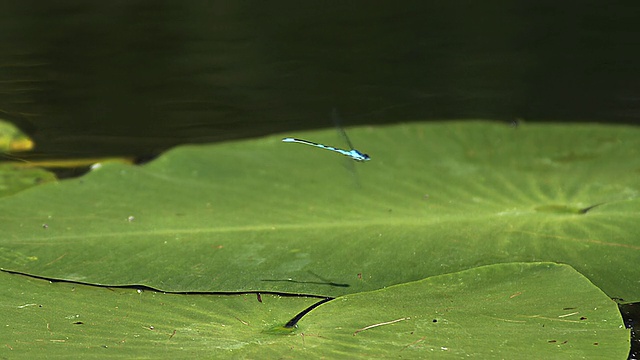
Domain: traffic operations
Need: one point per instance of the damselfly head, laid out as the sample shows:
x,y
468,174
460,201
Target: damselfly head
x,y
358,156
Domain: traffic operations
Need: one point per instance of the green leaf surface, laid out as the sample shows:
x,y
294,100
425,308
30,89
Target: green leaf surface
x,y
14,178
12,138
263,215
498,311
503,311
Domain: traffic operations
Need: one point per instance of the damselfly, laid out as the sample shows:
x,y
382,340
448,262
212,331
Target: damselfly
x,y
353,153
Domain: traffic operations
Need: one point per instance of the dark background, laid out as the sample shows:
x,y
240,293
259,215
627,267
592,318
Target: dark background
x,y
87,78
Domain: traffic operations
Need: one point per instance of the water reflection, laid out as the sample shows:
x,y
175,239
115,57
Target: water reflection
x,y
96,78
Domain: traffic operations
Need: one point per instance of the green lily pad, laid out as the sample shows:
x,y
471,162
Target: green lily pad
x,y
499,311
13,139
14,178
503,311
263,215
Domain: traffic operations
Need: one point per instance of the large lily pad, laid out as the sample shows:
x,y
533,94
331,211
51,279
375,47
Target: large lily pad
x,y
263,215
498,311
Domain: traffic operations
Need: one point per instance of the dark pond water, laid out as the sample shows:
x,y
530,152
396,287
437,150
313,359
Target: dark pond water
x,y
135,77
